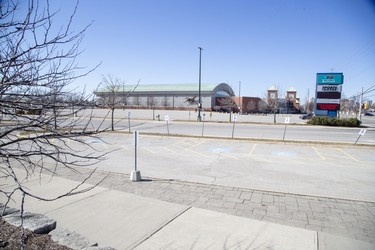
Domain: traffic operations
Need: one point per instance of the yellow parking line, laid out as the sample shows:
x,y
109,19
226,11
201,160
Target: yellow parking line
x,y
318,153
252,149
351,157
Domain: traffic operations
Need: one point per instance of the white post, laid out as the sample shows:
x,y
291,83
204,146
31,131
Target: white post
x,y
234,124
204,116
287,120
135,175
166,118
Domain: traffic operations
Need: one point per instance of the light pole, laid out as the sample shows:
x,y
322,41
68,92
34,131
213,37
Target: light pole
x,y
199,92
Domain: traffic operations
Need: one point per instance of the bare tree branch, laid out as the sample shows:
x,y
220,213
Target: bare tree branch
x,y
39,130
115,95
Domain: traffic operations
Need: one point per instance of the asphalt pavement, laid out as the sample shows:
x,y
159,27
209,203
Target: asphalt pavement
x,y
203,193
222,125
339,171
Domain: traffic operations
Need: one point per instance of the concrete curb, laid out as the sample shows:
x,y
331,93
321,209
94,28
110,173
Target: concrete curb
x,y
70,239
37,223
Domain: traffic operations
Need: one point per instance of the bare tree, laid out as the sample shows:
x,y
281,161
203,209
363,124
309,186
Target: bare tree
x,y
273,101
165,102
37,65
344,105
227,104
112,99
114,94
310,106
251,107
263,106
151,102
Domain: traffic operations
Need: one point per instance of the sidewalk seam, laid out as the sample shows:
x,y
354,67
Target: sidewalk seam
x,y
160,228
87,197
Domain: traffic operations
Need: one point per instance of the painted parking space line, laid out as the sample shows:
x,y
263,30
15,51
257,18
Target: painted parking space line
x,y
177,142
252,149
187,144
196,152
196,144
184,145
149,150
348,155
170,150
230,156
318,153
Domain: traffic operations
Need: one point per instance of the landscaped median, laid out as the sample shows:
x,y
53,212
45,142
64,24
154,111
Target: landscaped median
x,y
329,121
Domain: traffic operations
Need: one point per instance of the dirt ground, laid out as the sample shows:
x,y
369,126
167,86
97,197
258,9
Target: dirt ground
x,y
10,238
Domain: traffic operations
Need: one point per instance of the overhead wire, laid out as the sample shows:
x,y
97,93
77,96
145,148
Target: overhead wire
x,y
357,54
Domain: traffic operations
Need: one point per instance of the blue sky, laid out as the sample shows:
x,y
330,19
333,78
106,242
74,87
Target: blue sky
x,y
256,42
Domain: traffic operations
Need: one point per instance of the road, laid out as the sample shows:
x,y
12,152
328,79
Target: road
x,y
247,126
257,131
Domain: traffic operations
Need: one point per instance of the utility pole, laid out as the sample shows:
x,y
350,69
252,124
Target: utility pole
x,y
308,99
360,104
239,96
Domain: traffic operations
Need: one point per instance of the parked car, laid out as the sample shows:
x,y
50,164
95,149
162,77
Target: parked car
x,y
369,114
307,116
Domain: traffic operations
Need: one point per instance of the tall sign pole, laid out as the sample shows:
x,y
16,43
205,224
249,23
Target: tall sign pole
x,y
199,92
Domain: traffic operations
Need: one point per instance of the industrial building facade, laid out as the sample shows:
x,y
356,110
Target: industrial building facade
x,y
164,96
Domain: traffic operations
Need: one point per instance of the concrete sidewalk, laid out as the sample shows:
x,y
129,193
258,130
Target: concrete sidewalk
x,y
128,221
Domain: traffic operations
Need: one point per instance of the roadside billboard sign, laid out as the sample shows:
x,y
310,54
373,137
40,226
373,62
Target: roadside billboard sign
x,y
329,78
327,106
330,101
328,93
329,88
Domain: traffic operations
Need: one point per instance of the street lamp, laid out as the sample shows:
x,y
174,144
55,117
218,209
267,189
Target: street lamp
x,y
199,92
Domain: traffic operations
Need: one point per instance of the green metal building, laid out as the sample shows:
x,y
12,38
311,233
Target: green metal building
x,y
165,96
